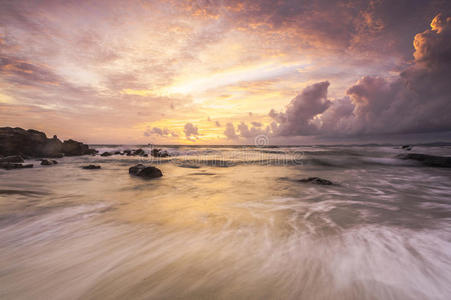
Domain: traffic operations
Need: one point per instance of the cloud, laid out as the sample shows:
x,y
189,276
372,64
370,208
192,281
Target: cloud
x,y
230,132
191,131
418,101
298,119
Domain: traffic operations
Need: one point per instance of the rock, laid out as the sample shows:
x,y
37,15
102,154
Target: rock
x,y
407,147
139,152
12,159
74,148
428,160
33,143
316,180
117,153
159,153
145,172
10,166
91,167
46,162
106,154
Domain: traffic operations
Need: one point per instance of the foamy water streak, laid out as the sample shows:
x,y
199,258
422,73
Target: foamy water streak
x,y
244,230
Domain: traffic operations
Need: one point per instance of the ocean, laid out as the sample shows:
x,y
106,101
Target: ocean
x,y
229,223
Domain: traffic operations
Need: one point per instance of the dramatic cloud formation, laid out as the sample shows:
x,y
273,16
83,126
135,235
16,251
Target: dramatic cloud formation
x,y
415,102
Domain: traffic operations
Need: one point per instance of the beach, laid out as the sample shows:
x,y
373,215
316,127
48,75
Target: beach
x,y
228,222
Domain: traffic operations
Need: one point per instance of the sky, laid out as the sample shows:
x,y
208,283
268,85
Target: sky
x,y
228,72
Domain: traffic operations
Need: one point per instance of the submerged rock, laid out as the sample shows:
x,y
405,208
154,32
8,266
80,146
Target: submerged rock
x,y
316,180
33,143
407,147
10,166
12,159
145,172
46,162
428,160
106,154
91,167
159,153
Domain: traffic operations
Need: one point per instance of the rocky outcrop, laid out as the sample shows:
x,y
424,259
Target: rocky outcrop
x,y
12,159
145,172
106,154
316,180
428,160
91,167
33,143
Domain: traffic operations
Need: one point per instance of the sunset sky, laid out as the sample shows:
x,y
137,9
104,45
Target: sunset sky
x,y
224,72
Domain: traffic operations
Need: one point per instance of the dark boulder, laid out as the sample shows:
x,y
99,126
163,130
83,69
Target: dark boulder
x,y
316,180
91,167
145,172
117,153
428,160
159,153
106,154
10,166
12,159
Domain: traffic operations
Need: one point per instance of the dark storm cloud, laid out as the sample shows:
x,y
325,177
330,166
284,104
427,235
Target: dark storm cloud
x,y
298,119
418,101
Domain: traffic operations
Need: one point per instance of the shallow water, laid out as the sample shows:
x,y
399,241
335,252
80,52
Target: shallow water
x,y
229,223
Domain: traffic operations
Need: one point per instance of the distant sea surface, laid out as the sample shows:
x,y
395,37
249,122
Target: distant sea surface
x,y
229,223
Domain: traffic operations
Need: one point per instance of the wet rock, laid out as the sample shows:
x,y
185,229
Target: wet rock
x,y
118,153
145,172
33,143
407,147
12,159
316,180
46,162
10,166
159,153
91,167
106,154
428,160
139,152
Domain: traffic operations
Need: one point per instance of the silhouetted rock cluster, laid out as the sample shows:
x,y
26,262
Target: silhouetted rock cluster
x,y
141,170
33,143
